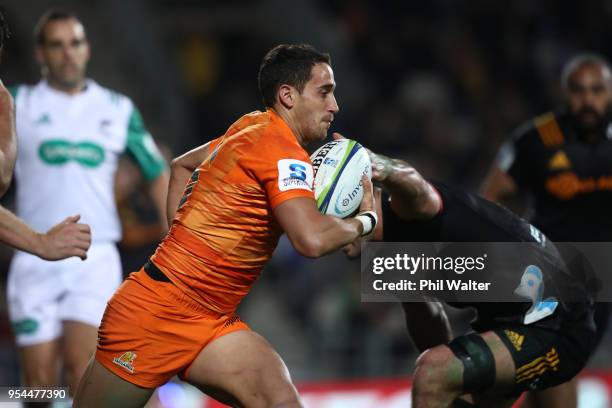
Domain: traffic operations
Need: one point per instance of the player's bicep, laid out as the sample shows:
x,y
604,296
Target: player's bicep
x,y
300,219
425,205
296,215
289,188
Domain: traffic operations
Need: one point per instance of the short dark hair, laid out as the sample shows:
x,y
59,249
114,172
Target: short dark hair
x,y
579,60
289,64
48,17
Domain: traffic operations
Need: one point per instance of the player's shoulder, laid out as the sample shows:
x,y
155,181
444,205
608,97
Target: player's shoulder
x,y
542,129
110,97
267,131
527,129
22,89
250,123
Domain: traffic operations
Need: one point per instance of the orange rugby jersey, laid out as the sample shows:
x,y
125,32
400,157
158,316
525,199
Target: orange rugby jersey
x,y
224,231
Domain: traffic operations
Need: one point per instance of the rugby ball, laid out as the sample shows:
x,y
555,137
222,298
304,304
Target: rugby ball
x,y
338,167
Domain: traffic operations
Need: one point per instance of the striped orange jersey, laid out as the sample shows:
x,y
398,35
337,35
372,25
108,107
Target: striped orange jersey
x,y
224,231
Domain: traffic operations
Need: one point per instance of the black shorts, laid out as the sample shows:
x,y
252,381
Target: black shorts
x,y
543,357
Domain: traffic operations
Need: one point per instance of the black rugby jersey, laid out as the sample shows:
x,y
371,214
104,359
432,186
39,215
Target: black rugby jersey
x,y
469,218
570,179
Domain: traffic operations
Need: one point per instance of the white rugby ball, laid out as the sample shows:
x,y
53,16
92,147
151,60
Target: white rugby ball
x,y
338,167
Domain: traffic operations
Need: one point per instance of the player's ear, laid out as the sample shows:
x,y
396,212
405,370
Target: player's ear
x,y
286,95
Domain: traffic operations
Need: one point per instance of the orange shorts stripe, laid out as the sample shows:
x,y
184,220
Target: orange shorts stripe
x,y
152,331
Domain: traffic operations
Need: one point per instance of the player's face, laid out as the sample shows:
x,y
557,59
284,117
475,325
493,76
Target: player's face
x,y
64,53
316,105
589,95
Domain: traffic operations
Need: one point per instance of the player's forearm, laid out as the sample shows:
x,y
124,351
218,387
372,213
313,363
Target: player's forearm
x,y
181,170
16,233
312,234
8,143
334,233
410,193
404,182
159,193
179,176
427,324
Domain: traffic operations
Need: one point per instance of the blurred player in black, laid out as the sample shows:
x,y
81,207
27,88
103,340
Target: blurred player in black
x,y
512,349
563,159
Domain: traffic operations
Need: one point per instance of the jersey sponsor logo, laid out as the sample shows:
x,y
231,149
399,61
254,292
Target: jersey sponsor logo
x,y
568,185
532,288
26,326
559,161
126,360
294,174
538,366
58,152
515,338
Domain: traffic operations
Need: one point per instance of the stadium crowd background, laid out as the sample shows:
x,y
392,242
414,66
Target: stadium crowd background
x,y
439,83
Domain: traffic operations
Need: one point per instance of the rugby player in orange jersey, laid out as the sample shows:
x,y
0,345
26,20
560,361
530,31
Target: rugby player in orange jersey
x,y
177,314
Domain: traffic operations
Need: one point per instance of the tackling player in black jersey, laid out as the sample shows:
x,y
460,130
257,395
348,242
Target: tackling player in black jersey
x,y
509,352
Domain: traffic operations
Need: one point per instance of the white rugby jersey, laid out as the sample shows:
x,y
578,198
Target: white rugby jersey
x,y
68,148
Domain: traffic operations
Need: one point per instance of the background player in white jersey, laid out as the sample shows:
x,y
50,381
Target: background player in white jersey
x,y
71,133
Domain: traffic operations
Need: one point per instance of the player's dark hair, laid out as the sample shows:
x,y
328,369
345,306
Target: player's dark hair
x,y
579,60
289,64
49,17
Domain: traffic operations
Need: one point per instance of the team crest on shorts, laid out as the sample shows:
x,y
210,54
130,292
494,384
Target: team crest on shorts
x,y
126,360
